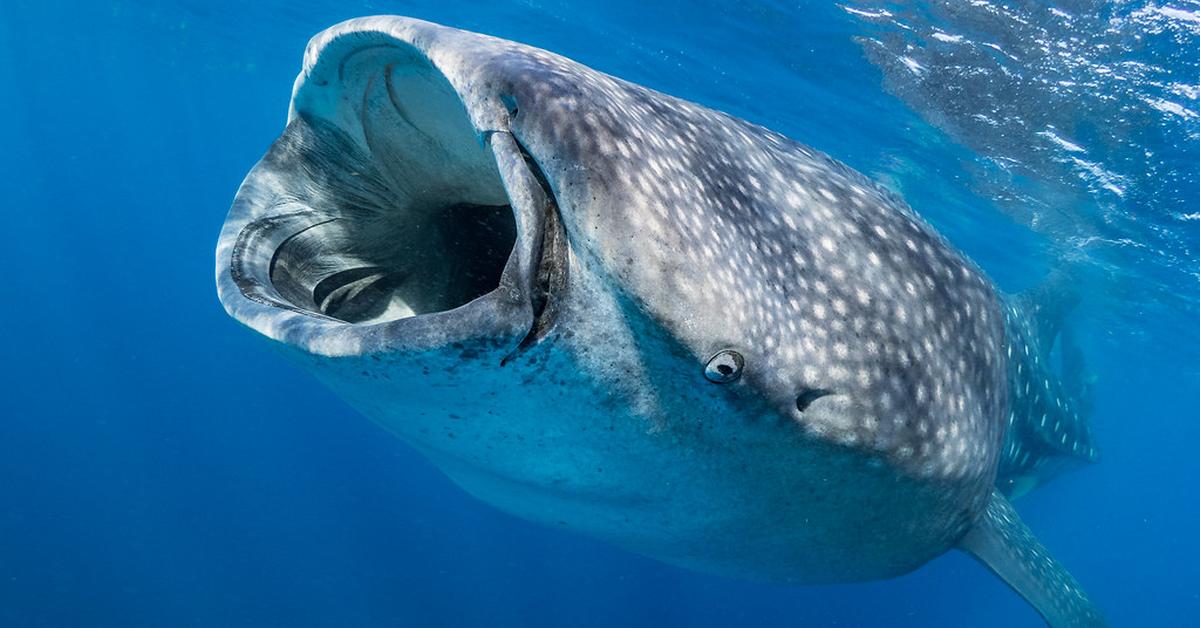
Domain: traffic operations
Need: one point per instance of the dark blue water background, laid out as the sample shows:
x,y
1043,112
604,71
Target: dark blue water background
x,y
160,466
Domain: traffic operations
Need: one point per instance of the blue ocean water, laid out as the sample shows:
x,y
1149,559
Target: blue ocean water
x,y
160,466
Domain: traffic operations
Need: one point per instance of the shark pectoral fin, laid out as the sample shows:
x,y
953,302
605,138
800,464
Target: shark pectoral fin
x,y
1008,548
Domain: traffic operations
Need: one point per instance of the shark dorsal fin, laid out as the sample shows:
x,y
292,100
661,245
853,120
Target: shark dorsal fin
x,y
1048,304
1003,543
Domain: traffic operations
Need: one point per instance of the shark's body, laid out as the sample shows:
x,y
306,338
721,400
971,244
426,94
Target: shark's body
x,y
709,343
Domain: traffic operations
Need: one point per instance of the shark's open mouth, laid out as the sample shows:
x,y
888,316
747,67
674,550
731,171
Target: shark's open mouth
x,y
382,202
409,253
422,222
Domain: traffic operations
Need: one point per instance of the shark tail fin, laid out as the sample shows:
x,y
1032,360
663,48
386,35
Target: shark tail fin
x,y
1003,543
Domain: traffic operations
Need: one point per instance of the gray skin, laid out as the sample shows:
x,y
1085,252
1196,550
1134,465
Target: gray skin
x,y
606,309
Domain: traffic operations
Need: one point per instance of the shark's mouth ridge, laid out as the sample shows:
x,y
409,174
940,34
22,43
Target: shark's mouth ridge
x,y
385,219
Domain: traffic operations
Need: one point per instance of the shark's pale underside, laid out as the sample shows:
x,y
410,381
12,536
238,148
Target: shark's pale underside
x,y
600,307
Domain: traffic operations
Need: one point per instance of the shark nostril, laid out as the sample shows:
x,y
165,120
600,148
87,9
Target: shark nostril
x,y
724,367
805,398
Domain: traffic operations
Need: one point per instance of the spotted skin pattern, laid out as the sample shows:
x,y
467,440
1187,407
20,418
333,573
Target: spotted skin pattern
x,y
859,422
732,232
1047,430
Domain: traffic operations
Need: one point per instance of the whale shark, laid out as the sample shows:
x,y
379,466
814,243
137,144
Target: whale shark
x,y
606,309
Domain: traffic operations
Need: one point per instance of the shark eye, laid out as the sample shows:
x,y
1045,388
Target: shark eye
x,y
724,367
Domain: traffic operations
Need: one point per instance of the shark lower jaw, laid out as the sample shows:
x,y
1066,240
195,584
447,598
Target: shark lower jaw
x,y
387,222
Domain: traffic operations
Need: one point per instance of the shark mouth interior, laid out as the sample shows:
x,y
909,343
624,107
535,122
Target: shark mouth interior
x,y
404,209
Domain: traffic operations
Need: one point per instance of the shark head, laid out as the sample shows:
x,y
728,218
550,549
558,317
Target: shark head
x,y
433,186
601,307
554,282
